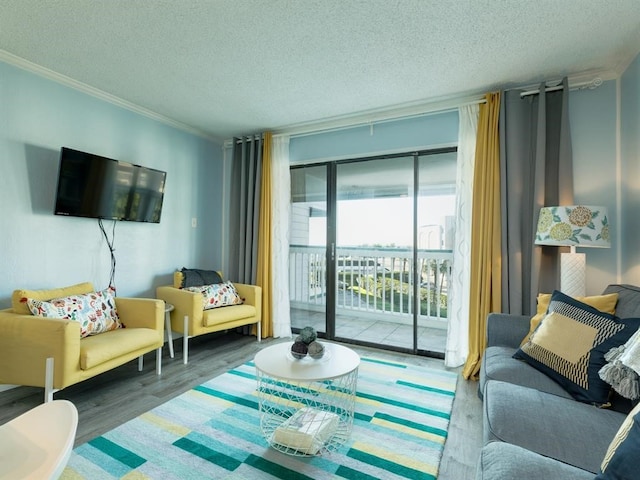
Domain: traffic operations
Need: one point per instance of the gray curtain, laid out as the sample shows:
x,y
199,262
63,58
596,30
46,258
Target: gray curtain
x,y
244,211
536,171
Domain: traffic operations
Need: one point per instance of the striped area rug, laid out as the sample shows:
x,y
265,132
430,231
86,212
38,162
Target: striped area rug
x,y
213,432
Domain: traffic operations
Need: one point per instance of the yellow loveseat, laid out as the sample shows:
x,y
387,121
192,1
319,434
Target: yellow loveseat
x,y
49,352
191,320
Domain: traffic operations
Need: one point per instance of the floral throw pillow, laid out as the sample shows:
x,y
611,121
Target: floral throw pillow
x,y
217,295
95,311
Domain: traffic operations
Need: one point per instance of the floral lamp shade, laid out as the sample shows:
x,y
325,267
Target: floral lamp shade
x,y
573,225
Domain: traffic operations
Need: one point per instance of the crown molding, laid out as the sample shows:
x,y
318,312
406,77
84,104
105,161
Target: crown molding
x,y
49,74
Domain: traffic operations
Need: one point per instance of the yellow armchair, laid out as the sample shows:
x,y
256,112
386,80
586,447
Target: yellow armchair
x,y
191,320
49,352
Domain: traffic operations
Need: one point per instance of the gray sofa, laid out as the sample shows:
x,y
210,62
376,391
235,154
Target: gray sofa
x,y
532,427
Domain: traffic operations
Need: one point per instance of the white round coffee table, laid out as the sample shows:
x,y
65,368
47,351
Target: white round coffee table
x,y
306,405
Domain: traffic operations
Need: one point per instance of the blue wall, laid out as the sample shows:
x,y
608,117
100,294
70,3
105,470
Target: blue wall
x,y
630,153
427,131
593,115
41,250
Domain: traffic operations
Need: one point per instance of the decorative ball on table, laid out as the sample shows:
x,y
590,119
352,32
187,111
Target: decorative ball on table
x,y
307,335
299,349
315,350
306,343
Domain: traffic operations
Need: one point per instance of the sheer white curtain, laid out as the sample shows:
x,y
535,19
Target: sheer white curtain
x,y
457,347
281,191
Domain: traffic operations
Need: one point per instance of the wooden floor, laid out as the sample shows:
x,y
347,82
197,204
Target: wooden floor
x,y
106,401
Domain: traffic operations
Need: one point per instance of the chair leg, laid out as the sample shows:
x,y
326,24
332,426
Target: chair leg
x,y
140,363
185,341
159,361
48,380
259,324
167,328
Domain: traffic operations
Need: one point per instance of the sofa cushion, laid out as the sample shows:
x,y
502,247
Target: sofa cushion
x,y
628,300
19,297
503,461
604,303
218,316
572,432
498,364
621,459
99,349
193,277
570,343
95,312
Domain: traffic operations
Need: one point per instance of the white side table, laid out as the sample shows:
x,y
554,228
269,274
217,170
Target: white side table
x,y
168,308
307,405
38,443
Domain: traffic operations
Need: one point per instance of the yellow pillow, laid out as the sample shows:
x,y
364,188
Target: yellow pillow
x,y
19,297
604,303
177,279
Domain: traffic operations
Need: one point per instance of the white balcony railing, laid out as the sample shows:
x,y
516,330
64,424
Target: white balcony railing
x,y
373,281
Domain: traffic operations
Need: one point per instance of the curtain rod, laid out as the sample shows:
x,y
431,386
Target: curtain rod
x,y
376,118
301,131
595,83
241,138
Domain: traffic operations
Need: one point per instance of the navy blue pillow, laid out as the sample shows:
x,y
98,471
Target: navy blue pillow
x,y
622,461
193,277
570,343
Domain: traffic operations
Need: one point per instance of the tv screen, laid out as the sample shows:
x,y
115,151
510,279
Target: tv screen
x,y
98,187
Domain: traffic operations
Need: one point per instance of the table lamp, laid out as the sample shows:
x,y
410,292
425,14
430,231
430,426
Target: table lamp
x,y
573,226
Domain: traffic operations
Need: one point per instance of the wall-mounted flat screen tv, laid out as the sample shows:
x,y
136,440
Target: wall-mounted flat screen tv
x,y
98,187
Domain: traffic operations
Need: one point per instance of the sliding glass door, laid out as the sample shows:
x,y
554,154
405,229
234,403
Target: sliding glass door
x,y
374,250
308,284
370,251
435,222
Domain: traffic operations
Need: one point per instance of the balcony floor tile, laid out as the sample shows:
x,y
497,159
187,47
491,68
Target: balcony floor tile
x,y
373,330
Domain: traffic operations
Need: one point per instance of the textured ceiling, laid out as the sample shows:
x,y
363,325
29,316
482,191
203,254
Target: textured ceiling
x,y
241,66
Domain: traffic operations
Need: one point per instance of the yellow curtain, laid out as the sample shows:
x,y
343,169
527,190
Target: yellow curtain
x,y
264,238
485,233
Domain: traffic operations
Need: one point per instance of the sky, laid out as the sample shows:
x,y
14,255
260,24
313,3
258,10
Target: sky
x,y
385,222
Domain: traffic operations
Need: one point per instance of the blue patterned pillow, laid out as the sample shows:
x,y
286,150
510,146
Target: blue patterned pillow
x,y
96,311
570,343
621,460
